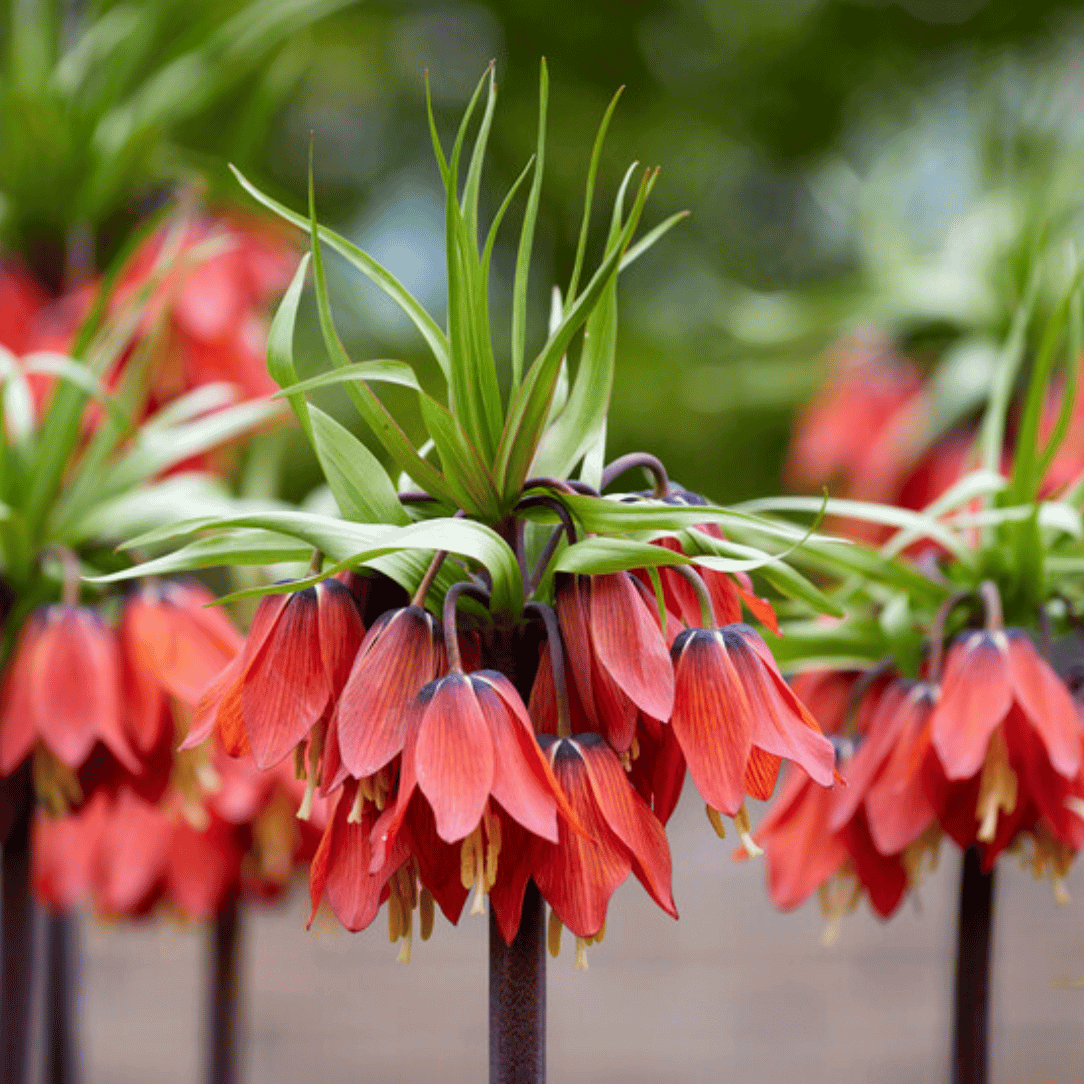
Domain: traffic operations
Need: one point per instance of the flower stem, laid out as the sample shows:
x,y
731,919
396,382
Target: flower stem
x,y
555,645
17,934
224,996
61,1041
428,578
638,459
567,525
517,997
703,596
451,637
974,934
991,599
937,632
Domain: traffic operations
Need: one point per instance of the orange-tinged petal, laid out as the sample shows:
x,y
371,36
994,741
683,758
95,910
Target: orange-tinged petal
x,y
628,815
577,876
75,683
761,773
629,644
522,780
209,704
711,718
976,694
398,656
453,757
1047,704
781,724
341,631
285,690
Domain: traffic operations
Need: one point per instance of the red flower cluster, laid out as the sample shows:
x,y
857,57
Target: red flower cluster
x,y
128,856
446,784
98,706
990,754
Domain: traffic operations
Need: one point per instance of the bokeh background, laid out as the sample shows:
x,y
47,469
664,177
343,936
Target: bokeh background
x,y
847,164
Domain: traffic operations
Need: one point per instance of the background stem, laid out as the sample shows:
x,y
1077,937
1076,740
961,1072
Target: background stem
x,y
61,972
517,997
224,996
17,936
970,1039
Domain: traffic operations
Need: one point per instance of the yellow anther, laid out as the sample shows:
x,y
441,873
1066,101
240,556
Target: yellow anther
x,y
395,917
997,788
54,782
426,913
553,934
381,786
716,821
838,896
299,760
634,749
626,761
745,833
493,848
356,809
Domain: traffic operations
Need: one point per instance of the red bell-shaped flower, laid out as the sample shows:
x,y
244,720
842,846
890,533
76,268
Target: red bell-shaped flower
x,y
63,689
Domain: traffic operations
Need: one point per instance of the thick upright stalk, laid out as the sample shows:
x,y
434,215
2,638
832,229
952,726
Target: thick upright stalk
x,y
61,971
224,996
971,1031
17,936
517,997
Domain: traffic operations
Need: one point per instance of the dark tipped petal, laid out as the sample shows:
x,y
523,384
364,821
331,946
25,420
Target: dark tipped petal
x,y
398,656
711,719
631,821
1047,704
341,631
285,690
629,644
976,694
453,758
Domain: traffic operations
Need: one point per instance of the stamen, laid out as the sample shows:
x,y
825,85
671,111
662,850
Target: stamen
x,y
299,761
55,784
553,934
381,785
581,954
745,833
356,810
407,939
716,821
997,788
626,761
922,852
634,749
493,848
426,912
316,750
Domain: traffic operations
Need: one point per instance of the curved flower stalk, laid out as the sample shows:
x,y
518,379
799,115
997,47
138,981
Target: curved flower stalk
x,y
524,712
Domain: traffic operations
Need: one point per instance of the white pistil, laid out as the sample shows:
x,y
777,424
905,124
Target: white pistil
x,y
745,833
581,954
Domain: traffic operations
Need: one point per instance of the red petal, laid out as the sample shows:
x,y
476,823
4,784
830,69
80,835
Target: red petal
x,y
761,773
781,722
578,876
884,879
208,706
800,851
398,656
134,853
65,853
976,694
18,719
341,631
711,719
897,808
203,868
1047,704
513,873
453,758
285,690
629,644
759,607
631,820
439,863
522,781
573,619
75,682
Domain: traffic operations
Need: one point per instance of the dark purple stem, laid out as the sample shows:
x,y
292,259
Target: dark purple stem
x,y
970,1039
224,996
517,997
638,459
17,936
61,1042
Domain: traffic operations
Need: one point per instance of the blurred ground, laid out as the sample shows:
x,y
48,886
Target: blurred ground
x,y
734,991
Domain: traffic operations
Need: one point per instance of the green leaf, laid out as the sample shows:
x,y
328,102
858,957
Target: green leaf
x,y
526,237
530,405
464,471
372,270
383,371
340,540
371,409
637,250
362,488
592,173
280,346
599,555
78,375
